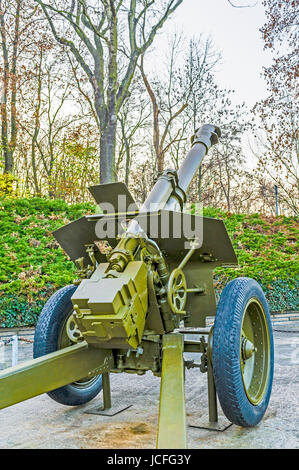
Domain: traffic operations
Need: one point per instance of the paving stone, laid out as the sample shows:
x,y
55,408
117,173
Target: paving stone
x,y
42,423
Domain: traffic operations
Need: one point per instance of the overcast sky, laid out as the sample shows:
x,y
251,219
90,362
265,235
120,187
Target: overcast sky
x,y
235,32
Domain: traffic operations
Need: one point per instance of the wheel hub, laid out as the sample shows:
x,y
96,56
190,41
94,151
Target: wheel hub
x,y
247,348
72,330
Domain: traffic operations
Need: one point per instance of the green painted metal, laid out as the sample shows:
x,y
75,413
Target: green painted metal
x,y
120,198
255,351
172,433
106,391
46,373
110,311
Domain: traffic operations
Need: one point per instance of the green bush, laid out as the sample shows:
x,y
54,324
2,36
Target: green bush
x,y
267,250
33,266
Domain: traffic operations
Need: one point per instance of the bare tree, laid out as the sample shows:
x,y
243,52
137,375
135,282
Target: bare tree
x,y
233,4
167,111
93,32
183,98
51,108
278,143
133,121
180,97
10,42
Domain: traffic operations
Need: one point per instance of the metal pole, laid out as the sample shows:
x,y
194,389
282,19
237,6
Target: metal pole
x,y
213,414
2,355
106,391
14,352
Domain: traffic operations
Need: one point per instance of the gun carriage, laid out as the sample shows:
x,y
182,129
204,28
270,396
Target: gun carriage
x,y
145,283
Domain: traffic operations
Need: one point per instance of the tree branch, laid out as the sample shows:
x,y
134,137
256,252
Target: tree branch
x,y
66,42
241,6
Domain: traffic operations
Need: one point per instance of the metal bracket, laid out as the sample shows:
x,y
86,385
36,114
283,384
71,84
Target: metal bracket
x,y
177,192
114,410
214,423
220,426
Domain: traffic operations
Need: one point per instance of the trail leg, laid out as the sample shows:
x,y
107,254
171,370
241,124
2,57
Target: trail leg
x,y
172,432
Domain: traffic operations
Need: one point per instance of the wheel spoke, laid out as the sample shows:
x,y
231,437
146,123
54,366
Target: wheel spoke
x,y
177,291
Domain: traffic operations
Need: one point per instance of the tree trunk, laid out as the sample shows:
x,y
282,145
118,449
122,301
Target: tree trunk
x,y
128,161
34,170
8,168
9,78
107,154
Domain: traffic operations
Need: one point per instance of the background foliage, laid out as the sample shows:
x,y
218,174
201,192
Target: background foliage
x,y
101,100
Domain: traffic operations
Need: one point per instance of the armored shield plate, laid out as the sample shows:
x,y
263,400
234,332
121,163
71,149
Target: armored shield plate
x,y
113,198
172,231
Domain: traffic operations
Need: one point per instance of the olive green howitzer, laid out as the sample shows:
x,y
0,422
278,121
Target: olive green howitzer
x,y
143,292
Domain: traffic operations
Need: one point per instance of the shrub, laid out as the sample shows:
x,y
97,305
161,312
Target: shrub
x,y
33,266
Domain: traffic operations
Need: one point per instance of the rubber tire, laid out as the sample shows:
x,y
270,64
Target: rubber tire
x,y
46,337
226,353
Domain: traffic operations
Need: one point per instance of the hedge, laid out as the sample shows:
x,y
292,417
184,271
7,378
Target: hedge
x,y
33,266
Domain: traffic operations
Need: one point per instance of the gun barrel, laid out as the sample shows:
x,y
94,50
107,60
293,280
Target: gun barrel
x,y
161,196
203,139
169,192
206,137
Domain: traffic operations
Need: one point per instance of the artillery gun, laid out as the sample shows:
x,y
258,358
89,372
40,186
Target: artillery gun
x,y
145,282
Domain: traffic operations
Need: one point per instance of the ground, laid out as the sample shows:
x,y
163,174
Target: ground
x,y
42,423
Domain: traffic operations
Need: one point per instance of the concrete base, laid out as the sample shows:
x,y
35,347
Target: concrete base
x,y
203,423
114,410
